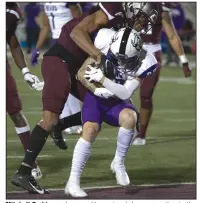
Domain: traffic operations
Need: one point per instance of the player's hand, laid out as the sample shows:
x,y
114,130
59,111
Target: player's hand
x,y
32,81
93,74
186,69
38,86
103,93
34,56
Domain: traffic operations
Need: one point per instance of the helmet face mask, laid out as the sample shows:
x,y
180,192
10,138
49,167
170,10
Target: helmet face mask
x,y
128,60
140,16
123,63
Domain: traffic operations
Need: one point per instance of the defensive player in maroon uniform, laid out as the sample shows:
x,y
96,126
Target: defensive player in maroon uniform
x,y
59,67
152,43
13,102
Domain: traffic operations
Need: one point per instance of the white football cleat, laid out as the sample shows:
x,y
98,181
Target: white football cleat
x,y
74,190
121,174
139,141
76,130
36,173
73,130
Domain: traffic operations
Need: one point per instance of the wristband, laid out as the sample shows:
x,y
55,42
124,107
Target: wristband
x,y
25,70
183,59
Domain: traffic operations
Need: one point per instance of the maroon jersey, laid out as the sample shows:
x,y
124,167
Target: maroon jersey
x,y
69,51
154,34
13,16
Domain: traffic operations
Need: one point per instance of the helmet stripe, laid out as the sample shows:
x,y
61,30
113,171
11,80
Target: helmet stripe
x,y
124,41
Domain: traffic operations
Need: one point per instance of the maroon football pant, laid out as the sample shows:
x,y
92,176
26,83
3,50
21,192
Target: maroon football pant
x,y
13,102
59,81
149,84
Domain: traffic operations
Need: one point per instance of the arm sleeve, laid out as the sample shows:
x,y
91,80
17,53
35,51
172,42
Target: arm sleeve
x,y
123,92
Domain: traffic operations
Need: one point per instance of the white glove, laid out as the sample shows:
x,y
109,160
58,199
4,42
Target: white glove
x,y
31,79
38,86
103,93
94,74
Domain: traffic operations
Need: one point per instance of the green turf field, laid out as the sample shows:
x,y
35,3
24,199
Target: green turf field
x,y
169,155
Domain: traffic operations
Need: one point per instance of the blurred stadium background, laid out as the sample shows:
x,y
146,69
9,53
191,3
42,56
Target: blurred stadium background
x,y
170,154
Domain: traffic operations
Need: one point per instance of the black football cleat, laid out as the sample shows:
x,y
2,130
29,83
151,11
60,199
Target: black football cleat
x,y
58,139
28,183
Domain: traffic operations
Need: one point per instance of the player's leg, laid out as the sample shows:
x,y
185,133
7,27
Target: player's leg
x,y
124,115
146,99
14,110
75,107
55,93
78,91
92,119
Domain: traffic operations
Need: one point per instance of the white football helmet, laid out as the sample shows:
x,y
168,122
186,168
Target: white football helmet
x,y
140,16
125,49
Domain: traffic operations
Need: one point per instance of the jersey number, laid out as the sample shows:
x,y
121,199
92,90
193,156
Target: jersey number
x,y
53,23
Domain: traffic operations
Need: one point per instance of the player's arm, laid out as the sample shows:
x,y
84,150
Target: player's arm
x,y
44,31
75,10
80,75
17,52
19,59
80,33
121,91
175,41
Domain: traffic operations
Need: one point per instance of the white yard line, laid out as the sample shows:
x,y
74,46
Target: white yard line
x,y
112,186
177,80
36,111
21,157
101,138
180,120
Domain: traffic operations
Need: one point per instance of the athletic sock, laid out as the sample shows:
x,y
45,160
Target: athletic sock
x,y
81,154
124,140
36,143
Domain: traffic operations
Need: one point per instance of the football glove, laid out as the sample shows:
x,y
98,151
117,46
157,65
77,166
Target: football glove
x,y
93,74
103,93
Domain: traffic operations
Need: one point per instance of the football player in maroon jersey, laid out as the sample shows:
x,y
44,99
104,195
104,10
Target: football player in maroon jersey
x,y
151,41
13,102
